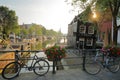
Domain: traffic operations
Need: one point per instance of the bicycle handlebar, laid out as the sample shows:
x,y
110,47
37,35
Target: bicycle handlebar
x,y
103,50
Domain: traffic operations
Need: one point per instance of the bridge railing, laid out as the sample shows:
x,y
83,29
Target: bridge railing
x,y
10,56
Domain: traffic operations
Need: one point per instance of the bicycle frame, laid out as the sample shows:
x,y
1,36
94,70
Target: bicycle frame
x,y
105,59
35,57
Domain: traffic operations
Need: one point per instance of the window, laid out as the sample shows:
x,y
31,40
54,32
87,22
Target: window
x,y
90,30
82,29
89,42
81,41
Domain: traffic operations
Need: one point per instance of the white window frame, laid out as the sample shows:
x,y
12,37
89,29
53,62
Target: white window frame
x,y
89,42
90,30
82,29
82,40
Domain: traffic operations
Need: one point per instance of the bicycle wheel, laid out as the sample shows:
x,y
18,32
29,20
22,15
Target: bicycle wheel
x,y
92,67
11,70
113,65
41,67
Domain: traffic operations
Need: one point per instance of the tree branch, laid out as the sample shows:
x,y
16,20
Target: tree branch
x,y
117,7
110,4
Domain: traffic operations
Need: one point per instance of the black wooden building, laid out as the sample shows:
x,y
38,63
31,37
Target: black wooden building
x,y
84,34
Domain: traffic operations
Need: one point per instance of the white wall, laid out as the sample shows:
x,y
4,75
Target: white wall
x,y
118,36
118,23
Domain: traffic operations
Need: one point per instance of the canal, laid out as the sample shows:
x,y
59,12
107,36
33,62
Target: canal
x,y
36,46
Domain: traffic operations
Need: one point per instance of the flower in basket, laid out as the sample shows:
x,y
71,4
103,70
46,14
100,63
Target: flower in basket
x,y
55,52
114,50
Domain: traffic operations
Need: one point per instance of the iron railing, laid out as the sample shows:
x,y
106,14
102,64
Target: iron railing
x,y
81,54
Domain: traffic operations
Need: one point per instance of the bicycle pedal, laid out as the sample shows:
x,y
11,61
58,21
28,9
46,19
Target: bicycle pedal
x,y
30,69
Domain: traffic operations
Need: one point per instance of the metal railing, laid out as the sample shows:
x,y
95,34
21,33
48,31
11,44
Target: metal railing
x,y
82,55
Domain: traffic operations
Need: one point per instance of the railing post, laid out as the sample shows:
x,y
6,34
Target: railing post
x,y
16,60
22,50
84,57
54,64
16,56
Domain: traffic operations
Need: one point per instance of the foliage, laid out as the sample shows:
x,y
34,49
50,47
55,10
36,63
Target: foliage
x,y
35,29
55,51
102,6
114,6
86,15
51,33
43,30
8,21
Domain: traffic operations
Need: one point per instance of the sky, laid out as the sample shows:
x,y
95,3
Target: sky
x,y
52,14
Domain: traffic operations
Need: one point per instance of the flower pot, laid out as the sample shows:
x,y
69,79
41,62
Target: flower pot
x,y
56,59
50,59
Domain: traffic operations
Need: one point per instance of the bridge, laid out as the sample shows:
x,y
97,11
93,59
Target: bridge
x,y
72,70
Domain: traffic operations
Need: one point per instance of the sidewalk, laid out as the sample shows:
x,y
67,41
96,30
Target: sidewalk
x,y
73,59
71,74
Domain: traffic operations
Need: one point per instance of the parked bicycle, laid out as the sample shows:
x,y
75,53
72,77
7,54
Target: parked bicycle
x,y
39,65
94,64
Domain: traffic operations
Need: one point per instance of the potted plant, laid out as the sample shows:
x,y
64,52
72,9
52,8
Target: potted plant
x,y
53,52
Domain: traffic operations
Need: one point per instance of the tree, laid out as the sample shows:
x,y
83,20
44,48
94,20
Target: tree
x,y
43,30
102,6
8,21
23,33
114,6
35,30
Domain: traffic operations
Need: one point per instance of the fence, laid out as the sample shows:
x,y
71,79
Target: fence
x,y
5,60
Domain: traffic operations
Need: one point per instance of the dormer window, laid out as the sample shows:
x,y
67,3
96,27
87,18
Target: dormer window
x,y
82,29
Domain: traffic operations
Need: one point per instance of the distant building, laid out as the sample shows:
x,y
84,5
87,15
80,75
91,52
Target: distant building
x,y
12,37
105,32
26,26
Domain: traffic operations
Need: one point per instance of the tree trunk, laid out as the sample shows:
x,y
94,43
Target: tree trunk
x,y
115,30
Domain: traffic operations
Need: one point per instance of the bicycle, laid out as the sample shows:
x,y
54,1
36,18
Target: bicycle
x,y
94,65
40,67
